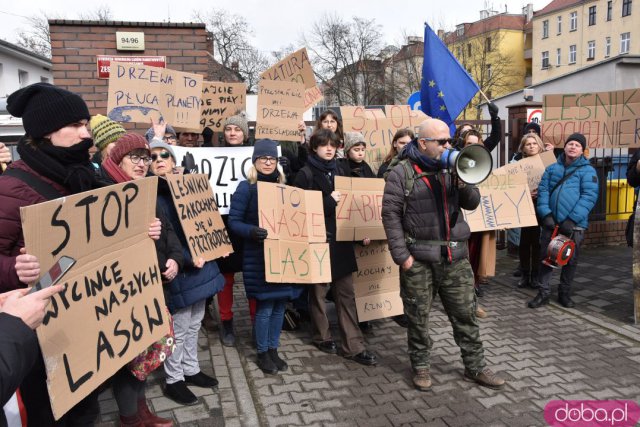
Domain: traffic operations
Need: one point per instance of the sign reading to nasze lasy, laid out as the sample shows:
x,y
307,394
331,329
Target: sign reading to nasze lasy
x,y
220,101
138,93
606,119
112,307
359,212
295,250
378,127
505,202
533,167
280,109
199,216
376,283
296,68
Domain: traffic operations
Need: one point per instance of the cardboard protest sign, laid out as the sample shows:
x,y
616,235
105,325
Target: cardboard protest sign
x,y
533,167
199,216
296,68
359,212
606,119
280,109
378,127
220,101
376,283
505,202
295,250
138,93
113,307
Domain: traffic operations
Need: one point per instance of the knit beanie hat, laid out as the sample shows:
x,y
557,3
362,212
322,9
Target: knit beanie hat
x,y
240,120
351,139
266,148
105,131
45,108
126,144
149,134
164,146
532,126
578,137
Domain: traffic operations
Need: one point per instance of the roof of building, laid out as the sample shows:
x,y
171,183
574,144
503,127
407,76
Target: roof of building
x,y
85,22
556,5
502,21
408,51
4,45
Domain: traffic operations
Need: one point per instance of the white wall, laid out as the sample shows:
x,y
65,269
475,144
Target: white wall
x,y
9,67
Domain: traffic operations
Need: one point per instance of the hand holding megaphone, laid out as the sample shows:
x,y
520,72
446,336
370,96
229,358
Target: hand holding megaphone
x,y
472,164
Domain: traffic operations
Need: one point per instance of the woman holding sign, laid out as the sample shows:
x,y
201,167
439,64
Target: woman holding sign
x,y
129,160
243,220
319,174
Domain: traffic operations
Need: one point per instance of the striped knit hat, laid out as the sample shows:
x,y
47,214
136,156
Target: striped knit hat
x,y
105,131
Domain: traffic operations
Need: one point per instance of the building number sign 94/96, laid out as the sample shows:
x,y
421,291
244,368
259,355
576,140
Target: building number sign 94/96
x,y
126,40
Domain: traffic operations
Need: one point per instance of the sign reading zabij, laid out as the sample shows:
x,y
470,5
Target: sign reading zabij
x,y
378,127
359,211
505,202
376,283
199,216
295,250
296,68
606,119
532,166
221,100
138,93
280,109
112,307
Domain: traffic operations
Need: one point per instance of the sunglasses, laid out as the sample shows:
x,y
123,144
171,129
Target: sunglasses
x,y
443,141
164,155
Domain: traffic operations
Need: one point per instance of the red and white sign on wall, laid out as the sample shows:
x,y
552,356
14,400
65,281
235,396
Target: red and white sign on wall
x,y
104,62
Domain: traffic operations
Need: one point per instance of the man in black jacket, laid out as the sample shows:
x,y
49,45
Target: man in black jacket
x,y
427,235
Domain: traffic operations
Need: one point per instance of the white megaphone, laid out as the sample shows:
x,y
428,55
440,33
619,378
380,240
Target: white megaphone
x,y
472,164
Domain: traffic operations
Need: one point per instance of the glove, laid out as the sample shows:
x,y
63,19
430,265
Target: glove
x,y
566,227
189,163
286,166
548,222
259,234
493,110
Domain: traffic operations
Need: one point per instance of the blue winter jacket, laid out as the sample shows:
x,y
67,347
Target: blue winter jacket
x,y
243,217
191,284
574,198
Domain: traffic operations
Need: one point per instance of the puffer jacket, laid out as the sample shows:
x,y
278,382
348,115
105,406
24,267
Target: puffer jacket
x,y
422,221
14,194
574,198
243,218
192,284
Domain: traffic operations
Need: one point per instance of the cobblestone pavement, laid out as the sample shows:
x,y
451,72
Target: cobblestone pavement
x,y
590,352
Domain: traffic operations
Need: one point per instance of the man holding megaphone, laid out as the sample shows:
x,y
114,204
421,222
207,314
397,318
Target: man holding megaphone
x,y
427,234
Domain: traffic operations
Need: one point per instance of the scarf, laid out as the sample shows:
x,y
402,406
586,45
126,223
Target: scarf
x,y
272,177
68,166
411,152
327,166
114,171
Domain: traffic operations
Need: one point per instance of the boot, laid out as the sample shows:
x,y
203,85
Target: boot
x,y
525,281
149,419
228,338
486,378
280,364
422,379
265,364
131,421
179,392
565,300
538,301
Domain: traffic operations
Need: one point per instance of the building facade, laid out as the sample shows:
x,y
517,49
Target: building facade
x,y
20,67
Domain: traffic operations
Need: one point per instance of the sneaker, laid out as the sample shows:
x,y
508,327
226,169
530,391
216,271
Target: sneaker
x,y
280,364
265,364
228,337
201,380
422,379
480,313
538,301
486,378
178,392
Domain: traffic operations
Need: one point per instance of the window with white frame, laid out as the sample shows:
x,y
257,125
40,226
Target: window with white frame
x,y
572,54
489,72
23,78
607,47
558,57
44,79
545,29
560,24
625,42
573,21
591,50
545,59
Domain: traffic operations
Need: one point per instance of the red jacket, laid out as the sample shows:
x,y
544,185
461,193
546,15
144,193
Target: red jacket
x,y
14,194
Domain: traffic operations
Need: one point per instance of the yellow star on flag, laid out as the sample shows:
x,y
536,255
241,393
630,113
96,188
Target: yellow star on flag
x,y
440,94
443,108
432,83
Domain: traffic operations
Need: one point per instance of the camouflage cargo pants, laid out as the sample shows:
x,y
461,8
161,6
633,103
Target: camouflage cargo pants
x,y
454,283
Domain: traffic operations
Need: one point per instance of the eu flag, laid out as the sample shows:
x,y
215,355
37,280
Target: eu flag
x,y
446,87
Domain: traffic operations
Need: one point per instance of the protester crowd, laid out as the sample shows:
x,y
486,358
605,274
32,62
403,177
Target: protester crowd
x,y
428,239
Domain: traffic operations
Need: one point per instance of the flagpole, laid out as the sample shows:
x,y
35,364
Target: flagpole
x,y
484,96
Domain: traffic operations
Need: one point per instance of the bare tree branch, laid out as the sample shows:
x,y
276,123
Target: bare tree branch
x,y
229,31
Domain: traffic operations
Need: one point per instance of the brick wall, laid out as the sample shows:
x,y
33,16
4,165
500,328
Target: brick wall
x,y
75,45
605,233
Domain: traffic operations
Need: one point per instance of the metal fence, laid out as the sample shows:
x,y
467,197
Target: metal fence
x,y
616,199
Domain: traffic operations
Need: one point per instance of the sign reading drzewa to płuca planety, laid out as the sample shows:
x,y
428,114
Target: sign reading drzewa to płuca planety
x,y
112,307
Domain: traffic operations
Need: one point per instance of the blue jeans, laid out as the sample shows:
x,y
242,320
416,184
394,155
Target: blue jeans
x,y
269,318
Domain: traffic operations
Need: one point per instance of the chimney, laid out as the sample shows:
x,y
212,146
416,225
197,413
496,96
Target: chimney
x,y
235,66
210,42
527,11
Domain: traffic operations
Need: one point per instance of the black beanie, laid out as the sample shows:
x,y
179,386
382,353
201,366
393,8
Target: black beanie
x,y
578,137
45,108
264,148
531,126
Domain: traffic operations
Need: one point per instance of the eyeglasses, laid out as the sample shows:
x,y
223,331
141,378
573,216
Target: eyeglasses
x,y
442,141
163,155
265,159
135,159
170,138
